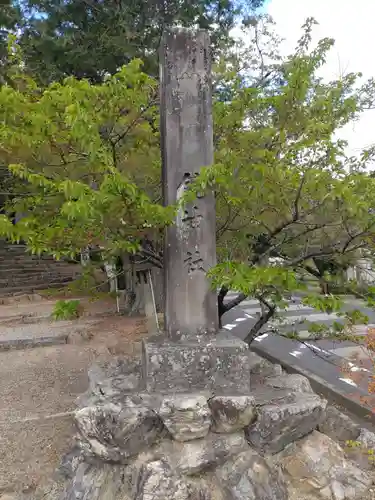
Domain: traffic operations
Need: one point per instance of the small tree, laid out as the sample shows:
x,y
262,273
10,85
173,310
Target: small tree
x,y
78,150
286,191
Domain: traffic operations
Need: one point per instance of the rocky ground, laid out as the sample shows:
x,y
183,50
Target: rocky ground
x,y
281,442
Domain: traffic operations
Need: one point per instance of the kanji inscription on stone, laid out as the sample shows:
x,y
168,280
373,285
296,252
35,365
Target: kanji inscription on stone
x,y
187,146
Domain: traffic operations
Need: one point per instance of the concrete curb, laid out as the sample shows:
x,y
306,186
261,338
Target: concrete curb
x,y
23,343
321,386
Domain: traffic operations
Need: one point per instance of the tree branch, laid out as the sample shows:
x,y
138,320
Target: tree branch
x,y
132,123
296,201
311,271
233,303
261,321
265,246
153,257
303,233
220,301
297,261
114,157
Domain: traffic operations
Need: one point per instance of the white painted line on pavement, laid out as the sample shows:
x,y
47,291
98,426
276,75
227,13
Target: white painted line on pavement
x,y
348,381
240,319
249,316
261,337
229,326
358,369
316,348
296,353
353,367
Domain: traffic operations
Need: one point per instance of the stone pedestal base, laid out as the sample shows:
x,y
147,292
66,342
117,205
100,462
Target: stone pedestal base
x,y
217,364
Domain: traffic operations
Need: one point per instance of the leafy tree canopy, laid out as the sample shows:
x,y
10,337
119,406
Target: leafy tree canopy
x,y
10,17
88,38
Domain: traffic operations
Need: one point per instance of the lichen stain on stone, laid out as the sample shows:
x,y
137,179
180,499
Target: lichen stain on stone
x,y
176,367
156,360
204,358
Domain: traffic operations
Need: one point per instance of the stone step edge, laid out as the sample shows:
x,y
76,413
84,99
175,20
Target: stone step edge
x,y
24,319
33,280
17,274
29,343
28,289
30,283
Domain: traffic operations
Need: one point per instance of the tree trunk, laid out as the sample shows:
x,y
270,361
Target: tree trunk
x,y
324,287
220,303
259,325
223,308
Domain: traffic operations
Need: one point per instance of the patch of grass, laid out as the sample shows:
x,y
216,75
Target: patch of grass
x,y
367,452
67,309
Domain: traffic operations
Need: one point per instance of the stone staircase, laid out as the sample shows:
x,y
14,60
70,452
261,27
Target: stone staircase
x,y
21,272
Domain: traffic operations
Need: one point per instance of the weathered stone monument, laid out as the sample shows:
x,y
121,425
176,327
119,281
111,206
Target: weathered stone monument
x,y
191,355
183,422
187,145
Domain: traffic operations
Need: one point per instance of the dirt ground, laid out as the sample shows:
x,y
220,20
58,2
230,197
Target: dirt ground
x,y
38,386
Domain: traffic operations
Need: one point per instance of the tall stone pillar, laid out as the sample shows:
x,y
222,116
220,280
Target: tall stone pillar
x,y
187,146
190,358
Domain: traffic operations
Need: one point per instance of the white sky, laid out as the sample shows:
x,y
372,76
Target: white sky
x,y
351,24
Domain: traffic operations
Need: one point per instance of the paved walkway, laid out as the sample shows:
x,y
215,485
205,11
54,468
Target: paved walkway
x,y
298,317
328,361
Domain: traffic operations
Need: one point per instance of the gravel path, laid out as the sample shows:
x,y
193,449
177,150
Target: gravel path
x,y
35,384
39,386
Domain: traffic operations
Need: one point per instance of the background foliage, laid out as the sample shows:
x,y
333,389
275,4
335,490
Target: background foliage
x,y
85,155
